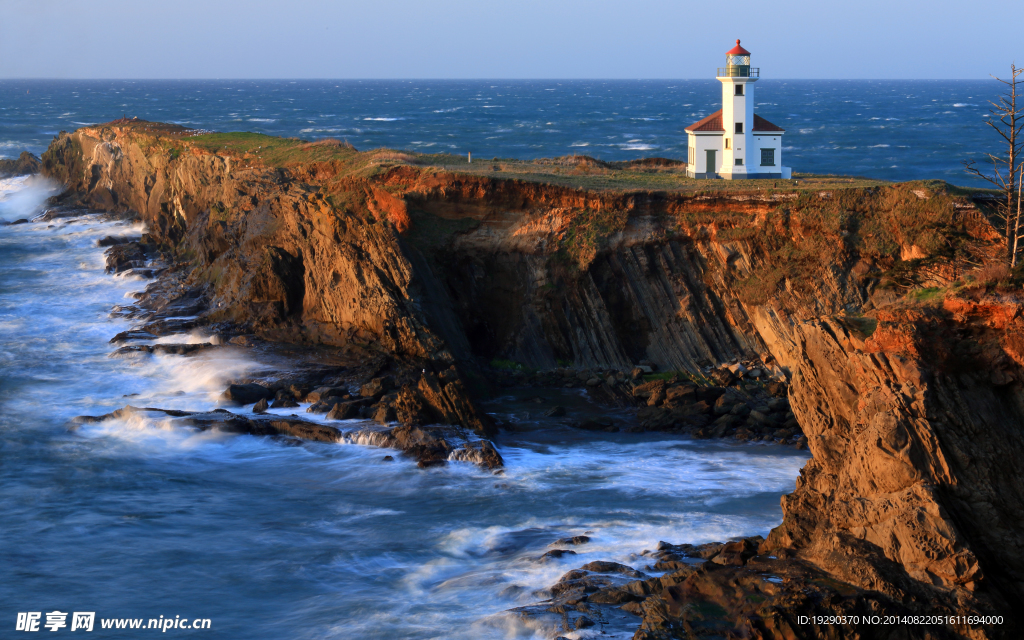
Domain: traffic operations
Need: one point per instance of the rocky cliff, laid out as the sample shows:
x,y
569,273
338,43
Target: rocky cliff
x,y
913,406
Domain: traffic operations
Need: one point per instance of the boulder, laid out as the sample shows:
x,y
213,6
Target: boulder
x,y
246,393
261,406
322,393
344,411
377,387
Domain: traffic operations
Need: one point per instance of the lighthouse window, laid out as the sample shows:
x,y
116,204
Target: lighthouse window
x,y
739,162
739,127
727,146
739,89
767,157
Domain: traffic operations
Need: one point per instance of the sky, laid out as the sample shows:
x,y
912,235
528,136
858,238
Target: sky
x,y
414,39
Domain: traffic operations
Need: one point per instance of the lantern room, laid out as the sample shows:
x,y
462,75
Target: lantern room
x,y
737,64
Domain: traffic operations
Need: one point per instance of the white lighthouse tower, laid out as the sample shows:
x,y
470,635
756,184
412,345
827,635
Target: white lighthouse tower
x,y
734,143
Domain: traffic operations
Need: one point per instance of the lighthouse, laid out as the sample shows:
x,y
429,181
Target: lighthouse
x,y
734,143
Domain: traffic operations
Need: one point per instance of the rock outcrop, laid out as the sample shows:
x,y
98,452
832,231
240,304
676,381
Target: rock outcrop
x,y
25,164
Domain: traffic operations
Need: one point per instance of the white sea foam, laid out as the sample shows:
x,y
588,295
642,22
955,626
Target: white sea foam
x,y
24,196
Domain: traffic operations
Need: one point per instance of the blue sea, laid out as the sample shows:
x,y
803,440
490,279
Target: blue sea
x,y
887,129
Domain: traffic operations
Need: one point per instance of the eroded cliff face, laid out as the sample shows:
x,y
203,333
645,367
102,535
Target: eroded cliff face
x,y
917,437
913,413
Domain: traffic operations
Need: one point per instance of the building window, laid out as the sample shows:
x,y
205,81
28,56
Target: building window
x,y
739,89
739,127
739,162
767,157
727,143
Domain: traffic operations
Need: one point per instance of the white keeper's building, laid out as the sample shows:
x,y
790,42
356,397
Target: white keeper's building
x,y
734,143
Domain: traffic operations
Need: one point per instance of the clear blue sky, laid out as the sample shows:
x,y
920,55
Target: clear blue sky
x,y
505,38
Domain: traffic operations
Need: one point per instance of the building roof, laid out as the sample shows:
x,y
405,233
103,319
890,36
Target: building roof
x,y
710,123
760,124
713,124
737,50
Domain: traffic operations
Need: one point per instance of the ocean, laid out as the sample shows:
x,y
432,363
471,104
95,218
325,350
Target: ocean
x,y
885,129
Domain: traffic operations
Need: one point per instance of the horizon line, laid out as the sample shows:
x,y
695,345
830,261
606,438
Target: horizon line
x,y
55,79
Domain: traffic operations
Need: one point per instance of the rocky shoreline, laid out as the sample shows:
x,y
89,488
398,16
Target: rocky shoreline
x,y
900,368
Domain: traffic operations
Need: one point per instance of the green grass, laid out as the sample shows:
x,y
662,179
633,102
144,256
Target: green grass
x,y
272,150
926,295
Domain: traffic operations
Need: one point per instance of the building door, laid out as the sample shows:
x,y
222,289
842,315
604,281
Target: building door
x,y
711,164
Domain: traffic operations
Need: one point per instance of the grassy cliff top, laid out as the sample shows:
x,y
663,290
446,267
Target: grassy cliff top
x,y
578,172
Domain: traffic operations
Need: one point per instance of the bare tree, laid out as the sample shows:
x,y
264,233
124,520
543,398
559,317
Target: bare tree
x,y
1008,121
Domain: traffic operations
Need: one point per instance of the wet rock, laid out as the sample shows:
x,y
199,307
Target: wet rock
x,y
594,424
576,540
284,402
180,349
246,393
600,566
377,387
110,241
388,459
261,406
132,334
558,553
555,412
344,411
323,393
583,622
122,257
735,553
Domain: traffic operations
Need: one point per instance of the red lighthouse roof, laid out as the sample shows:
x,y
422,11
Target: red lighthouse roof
x,y
737,50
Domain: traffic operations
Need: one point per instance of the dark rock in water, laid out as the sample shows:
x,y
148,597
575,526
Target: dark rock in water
x,y
246,393
592,424
555,412
600,566
20,221
388,459
122,257
110,241
323,406
129,350
573,540
322,393
180,349
132,334
172,349
261,406
558,553
344,411
377,386
583,622
284,402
